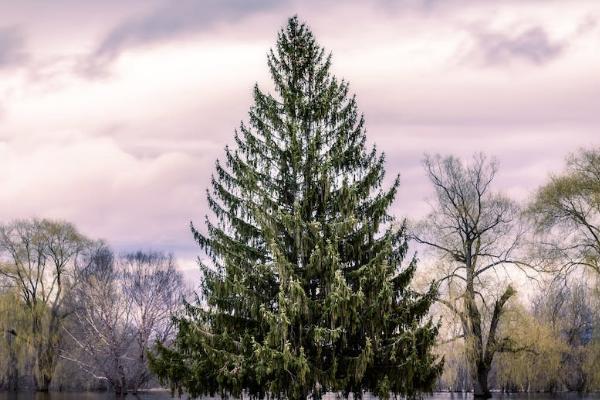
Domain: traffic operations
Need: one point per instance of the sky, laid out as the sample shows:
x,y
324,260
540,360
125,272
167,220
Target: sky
x,y
113,113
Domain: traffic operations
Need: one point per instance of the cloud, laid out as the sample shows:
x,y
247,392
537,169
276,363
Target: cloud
x,y
11,47
170,21
134,202
128,158
532,45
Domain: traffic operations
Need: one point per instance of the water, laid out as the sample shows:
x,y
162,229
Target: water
x,y
81,396
166,396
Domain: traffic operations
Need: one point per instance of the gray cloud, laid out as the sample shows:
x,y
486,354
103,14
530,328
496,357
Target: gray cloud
x,y
11,47
170,21
532,45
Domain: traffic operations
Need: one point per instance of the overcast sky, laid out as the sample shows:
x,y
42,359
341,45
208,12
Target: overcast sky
x,y
112,113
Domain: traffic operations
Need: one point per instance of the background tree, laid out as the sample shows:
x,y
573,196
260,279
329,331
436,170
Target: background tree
x,y
566,212
558,329
571,308
14,338
156,289
120,309
475,232
304,292
540,368
41,260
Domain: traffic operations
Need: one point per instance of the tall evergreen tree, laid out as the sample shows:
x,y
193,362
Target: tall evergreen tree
x,y
304,292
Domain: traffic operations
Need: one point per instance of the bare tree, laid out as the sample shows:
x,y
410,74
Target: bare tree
x,y
100,327
41,259
155,288
476,233
121,308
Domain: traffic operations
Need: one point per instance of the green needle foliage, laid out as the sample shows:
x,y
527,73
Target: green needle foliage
x,y
304,292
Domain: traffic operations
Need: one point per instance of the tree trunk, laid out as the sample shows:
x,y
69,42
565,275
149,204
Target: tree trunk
x,y
41,378
480,384
44,383
12,372
45,363
475,350
45,368
47,354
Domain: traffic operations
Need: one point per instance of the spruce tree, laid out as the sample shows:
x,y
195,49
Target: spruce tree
x,y
305,290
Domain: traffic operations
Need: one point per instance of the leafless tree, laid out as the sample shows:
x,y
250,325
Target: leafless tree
x,y
155,288
122,307
42,259
476,233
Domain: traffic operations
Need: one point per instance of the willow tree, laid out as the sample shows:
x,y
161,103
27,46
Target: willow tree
x,y
303,288
14,338
566,213
41,260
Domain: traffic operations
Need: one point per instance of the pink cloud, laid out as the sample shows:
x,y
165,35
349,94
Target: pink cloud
x,y
129,156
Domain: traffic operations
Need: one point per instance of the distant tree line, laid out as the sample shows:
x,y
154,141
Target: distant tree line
x,y
75,315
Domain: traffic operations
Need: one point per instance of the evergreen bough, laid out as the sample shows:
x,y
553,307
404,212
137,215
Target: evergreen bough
x,y
304,292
